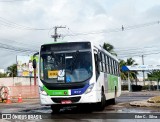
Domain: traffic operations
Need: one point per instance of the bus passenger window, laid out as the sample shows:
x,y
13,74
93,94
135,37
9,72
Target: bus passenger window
x,y
97,67
109,71
101,64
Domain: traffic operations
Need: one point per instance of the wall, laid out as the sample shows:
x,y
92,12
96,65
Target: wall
x,y
20,85
125,82
16,81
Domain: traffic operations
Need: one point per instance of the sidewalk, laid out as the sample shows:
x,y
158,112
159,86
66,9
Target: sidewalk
x,y
24,100
151,102
25,91
144,92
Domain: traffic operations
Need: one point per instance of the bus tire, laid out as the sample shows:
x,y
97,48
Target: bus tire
x,y
101,105
55,108
112,101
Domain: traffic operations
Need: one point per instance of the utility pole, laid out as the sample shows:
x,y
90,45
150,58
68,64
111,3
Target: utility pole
x,y
55,36
143,70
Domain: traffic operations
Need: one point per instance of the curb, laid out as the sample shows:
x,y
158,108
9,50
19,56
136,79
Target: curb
x,y
155,99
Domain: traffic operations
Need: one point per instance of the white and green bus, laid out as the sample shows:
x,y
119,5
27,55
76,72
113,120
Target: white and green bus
x,y
76,73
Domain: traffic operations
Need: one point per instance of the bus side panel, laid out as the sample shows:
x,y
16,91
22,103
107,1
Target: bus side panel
x,y
100,83
112,82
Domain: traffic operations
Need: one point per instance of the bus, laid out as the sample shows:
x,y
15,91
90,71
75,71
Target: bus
x,y
77,73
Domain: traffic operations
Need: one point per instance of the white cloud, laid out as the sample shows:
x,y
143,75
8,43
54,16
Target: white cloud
x,y
82,16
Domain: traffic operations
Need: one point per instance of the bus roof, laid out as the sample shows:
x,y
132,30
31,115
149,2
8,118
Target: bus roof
x,y
109,54
92,43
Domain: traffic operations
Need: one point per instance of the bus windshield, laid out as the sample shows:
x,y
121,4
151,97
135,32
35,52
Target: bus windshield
x,y
66,67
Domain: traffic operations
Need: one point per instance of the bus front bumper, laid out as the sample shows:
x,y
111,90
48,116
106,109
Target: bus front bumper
x,y
91,97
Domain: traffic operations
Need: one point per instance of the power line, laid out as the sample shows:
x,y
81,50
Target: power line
x,y
123,28
73,37
14,48
34,45
139,54
14,25
138,51
12,0
135,48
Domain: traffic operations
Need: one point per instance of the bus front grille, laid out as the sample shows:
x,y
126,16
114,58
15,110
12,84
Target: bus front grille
x,y
73,99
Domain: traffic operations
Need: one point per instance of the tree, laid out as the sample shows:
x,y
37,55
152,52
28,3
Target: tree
x,y
132,74
154,75
123,74
12,70
130,62
109,48
3,75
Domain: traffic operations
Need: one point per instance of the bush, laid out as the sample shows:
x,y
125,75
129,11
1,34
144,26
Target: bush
x,y
124,87
152,87
155,87
136,87
146,87
139,87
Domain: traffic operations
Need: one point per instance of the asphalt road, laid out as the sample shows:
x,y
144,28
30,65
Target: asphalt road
x,y
121,109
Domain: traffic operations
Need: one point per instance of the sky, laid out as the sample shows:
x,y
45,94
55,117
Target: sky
x,y
26,24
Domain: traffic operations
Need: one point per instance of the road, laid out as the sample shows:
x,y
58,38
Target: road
x,y
32,106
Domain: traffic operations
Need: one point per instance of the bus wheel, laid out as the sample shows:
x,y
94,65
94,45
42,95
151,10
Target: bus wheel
x,y
55,108
112,101
102,104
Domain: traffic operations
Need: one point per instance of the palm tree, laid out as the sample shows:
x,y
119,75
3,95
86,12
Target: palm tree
x,y
123,74
109,48
130,62
132,74
154,75
12,70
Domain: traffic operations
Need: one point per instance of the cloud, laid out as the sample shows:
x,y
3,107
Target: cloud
x,y
81,16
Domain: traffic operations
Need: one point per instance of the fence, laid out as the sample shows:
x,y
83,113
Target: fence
x,y
125,82
19,85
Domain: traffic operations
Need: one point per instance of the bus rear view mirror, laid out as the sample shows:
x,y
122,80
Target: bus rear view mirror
x,y
34,63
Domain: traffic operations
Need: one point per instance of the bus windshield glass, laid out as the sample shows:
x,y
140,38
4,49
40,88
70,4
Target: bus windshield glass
x,y
66,66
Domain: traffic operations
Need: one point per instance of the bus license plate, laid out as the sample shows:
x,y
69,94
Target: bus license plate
x,y
66,102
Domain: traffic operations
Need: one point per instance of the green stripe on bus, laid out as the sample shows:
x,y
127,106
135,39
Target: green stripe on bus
x,y
56,92
112,82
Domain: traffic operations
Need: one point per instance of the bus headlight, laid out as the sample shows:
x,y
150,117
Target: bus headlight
x,y
42,91
89,88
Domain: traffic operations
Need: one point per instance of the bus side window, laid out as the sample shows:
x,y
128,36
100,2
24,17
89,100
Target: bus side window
x,y
100,63
117,68
113,66
97,67
103,62
109,65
